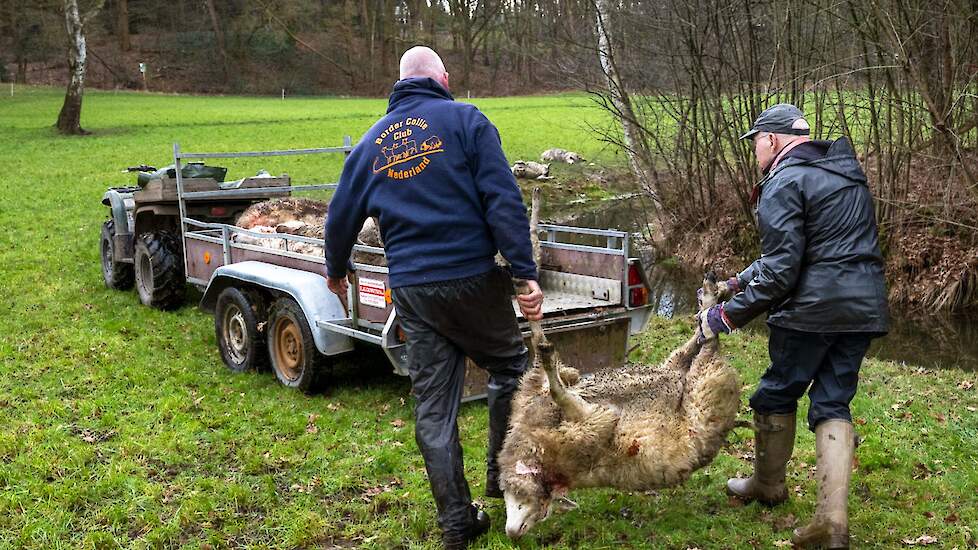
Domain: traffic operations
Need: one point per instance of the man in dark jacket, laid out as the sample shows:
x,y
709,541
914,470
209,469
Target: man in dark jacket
x,y
820,278
432,171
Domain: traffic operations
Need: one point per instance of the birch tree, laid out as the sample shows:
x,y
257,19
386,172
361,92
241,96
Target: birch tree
x,y
69,119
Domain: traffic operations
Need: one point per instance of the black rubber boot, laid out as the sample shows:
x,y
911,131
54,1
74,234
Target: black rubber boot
x,y
448,486
502,385
479,525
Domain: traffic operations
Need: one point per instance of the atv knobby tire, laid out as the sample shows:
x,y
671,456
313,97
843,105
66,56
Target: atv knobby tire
x,y
241,343
117,275
296,361
159,270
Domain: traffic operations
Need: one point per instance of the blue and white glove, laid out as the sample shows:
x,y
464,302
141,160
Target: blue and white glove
x,y
712,322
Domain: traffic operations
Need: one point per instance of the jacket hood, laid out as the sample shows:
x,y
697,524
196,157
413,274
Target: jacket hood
x,y
840,159
412,87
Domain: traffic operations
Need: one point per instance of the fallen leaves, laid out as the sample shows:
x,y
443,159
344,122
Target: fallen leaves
x,y
370,492
966,385
311,423
397,423
922,540
93,436
923,471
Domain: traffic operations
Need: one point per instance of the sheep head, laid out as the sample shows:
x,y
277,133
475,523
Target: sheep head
x,y
531,496
527,499
713,291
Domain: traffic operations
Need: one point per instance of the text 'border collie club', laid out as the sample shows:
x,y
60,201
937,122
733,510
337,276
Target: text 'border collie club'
x,y
399,145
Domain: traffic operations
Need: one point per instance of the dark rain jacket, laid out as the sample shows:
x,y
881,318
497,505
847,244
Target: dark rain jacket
x,y
820,268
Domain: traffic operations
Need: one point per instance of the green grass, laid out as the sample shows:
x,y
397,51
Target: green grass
x,y
120,427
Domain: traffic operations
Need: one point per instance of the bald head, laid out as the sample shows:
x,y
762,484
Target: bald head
x,y
421,62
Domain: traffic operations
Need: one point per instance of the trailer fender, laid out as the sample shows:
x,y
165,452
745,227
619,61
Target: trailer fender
x,y
309,290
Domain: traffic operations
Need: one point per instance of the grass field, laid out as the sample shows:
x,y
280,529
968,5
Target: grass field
x,y
121,428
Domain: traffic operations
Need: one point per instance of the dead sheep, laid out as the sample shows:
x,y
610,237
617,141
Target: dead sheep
x,y
527,169
561,155
276,211
306,218
637,428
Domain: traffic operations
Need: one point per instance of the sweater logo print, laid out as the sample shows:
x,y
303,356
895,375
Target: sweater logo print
x,y
405,148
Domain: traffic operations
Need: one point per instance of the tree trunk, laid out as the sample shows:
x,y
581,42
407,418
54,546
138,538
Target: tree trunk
x,y
122,24
69,120
635,146
219,38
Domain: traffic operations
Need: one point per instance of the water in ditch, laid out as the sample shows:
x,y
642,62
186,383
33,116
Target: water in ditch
x,y
931,340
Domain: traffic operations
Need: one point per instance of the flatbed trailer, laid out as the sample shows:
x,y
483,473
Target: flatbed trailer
x,y
272,305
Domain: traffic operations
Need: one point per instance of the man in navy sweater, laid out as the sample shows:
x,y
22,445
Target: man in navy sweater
x,y
433,173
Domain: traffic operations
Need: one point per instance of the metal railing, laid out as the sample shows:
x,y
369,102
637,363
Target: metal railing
x,y
226,230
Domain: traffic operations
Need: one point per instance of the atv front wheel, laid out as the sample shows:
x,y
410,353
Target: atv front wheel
x,y
117,275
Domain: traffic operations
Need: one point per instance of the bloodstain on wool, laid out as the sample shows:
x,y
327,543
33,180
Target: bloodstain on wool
x,y
633,448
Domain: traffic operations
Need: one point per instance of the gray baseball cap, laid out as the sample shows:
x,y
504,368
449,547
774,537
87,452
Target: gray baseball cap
x,y
783,118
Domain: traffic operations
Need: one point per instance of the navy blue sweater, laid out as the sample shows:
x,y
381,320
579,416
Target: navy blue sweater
x,y
432,171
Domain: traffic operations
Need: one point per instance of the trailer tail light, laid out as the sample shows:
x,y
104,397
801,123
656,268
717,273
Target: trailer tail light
x,y
638,292
634,276
638,296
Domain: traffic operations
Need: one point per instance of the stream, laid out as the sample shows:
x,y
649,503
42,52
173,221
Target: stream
x,y
930,341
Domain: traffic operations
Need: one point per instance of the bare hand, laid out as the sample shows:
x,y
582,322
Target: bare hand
x,y
338,286
531,304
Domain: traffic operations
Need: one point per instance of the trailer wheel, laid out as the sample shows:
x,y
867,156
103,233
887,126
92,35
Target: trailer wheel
x,y
241,344
117,275
292,351
159,270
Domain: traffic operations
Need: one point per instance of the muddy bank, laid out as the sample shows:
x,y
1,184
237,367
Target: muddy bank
x,y
928,340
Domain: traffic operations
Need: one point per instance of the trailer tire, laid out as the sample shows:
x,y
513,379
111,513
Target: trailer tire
x,y
159,270
293,354
117,275
236,324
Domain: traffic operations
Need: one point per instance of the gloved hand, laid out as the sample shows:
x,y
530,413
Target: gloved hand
x,y
733,285
712,322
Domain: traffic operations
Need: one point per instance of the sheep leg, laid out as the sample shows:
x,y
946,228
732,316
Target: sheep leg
x,y
745,424
573,406
682,357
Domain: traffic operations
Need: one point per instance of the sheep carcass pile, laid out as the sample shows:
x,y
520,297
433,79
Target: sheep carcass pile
x,y
636,428
304,217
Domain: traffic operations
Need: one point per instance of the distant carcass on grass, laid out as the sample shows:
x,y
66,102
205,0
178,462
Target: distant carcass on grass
x,y
561,155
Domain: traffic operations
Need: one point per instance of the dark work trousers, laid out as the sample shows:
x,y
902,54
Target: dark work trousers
x,y
828,362
445,322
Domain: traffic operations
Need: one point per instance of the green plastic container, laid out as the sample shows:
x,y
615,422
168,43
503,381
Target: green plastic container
x,y
190,170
